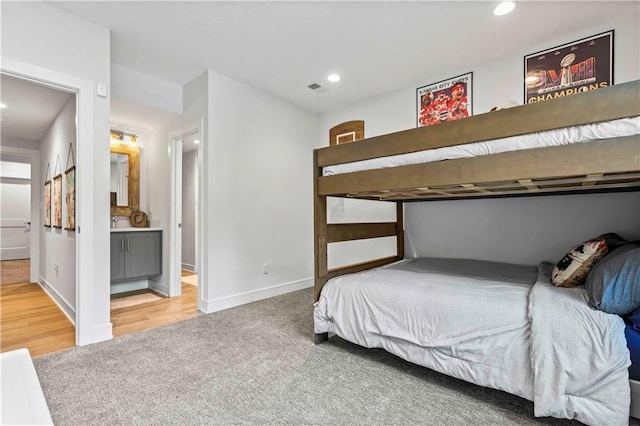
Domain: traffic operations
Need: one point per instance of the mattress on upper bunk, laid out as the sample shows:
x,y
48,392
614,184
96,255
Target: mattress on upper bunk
x,y
498,325
564,136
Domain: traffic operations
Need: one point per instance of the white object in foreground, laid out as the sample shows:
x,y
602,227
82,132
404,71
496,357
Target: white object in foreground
x,y
23,402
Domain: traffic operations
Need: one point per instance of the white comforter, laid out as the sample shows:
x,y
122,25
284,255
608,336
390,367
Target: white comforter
x,y
497,325
579,356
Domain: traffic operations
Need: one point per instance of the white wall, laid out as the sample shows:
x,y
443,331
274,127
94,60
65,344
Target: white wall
x,y
158,194
145,89
57,269
259,194
189,197
482,228
196,103
20,142
64,47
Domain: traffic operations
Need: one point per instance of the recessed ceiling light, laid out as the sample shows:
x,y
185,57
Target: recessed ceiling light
x,y
196,141
504,8
3,106
333,77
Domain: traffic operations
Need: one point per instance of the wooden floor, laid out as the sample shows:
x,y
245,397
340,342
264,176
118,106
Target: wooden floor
x,y
154,314
30,319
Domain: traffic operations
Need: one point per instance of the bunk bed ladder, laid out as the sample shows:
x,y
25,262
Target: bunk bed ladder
x,y
325,233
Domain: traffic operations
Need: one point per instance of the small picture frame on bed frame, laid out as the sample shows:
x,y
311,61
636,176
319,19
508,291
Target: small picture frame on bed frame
x,y
446,100
579,66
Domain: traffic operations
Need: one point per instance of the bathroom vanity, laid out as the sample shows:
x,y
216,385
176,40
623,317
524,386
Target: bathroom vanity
x,y
136,253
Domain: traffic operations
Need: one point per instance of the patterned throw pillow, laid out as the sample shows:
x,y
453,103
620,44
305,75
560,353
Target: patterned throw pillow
x,y
573,268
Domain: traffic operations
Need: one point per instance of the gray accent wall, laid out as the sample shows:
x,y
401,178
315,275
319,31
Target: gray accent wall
x,y
189,206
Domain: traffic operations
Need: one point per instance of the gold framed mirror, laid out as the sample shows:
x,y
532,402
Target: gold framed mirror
x,y
125,178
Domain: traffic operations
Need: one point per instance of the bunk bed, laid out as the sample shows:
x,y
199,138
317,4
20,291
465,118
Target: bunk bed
x,y
378,169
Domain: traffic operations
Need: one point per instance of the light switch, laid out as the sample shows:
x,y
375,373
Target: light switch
x,y
101,90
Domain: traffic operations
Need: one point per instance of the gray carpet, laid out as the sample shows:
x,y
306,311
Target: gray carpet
x,y
257,364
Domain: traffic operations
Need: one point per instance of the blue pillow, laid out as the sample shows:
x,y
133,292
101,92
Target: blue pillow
x,y
633,319
613,284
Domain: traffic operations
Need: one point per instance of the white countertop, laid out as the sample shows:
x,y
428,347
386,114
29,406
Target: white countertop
x,y
132,229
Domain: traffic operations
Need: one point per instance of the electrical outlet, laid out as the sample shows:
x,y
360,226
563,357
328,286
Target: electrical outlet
x,y
265,268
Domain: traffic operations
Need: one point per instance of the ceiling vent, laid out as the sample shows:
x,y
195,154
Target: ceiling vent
x,y
317,88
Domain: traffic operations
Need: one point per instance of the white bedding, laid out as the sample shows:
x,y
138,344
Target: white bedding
x,y
471,320
557,137
579,356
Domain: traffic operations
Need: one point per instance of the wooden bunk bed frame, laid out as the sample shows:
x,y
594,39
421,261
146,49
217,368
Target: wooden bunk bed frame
x,y
599,166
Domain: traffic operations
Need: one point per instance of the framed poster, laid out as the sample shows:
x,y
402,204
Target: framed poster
x,y
446,100
580,66
57,201
70,180
47,204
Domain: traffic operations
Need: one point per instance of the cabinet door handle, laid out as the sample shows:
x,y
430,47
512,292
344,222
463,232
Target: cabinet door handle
x,y
128,244
121,245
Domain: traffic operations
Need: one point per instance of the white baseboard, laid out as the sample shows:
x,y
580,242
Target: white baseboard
x,y
635,398
189,267
159,287
222,303
64,306
128,286
100,334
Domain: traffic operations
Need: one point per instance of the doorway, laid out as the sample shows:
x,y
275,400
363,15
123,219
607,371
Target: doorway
x,y
189,255
186,266
39,264
15,218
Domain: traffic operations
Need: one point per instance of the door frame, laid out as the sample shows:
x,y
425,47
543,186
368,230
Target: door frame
x,y
34,209
89,278
175,216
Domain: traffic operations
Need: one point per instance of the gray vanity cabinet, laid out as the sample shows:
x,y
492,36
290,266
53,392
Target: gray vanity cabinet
x,y
135,254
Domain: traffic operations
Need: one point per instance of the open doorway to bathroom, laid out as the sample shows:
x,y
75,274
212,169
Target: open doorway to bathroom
x,y
144,302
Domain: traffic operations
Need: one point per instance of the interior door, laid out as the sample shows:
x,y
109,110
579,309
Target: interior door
x,y
175,237
15,211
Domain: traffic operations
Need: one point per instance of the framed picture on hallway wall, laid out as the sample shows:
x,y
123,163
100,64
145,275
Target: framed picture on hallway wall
x,y
70,180
57,201
47,204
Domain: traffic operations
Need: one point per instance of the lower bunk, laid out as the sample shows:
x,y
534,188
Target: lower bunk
x,y
497,325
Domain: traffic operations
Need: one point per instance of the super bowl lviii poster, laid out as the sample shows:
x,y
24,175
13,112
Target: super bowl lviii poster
x,y
446,100
580,66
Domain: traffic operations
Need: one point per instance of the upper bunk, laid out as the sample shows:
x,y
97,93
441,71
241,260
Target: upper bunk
x,y
610,163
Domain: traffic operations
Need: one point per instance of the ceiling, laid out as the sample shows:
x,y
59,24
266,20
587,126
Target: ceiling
x,y
282,47
31,107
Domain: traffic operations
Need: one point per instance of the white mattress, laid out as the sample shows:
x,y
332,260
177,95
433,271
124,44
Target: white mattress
x,y
564,136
